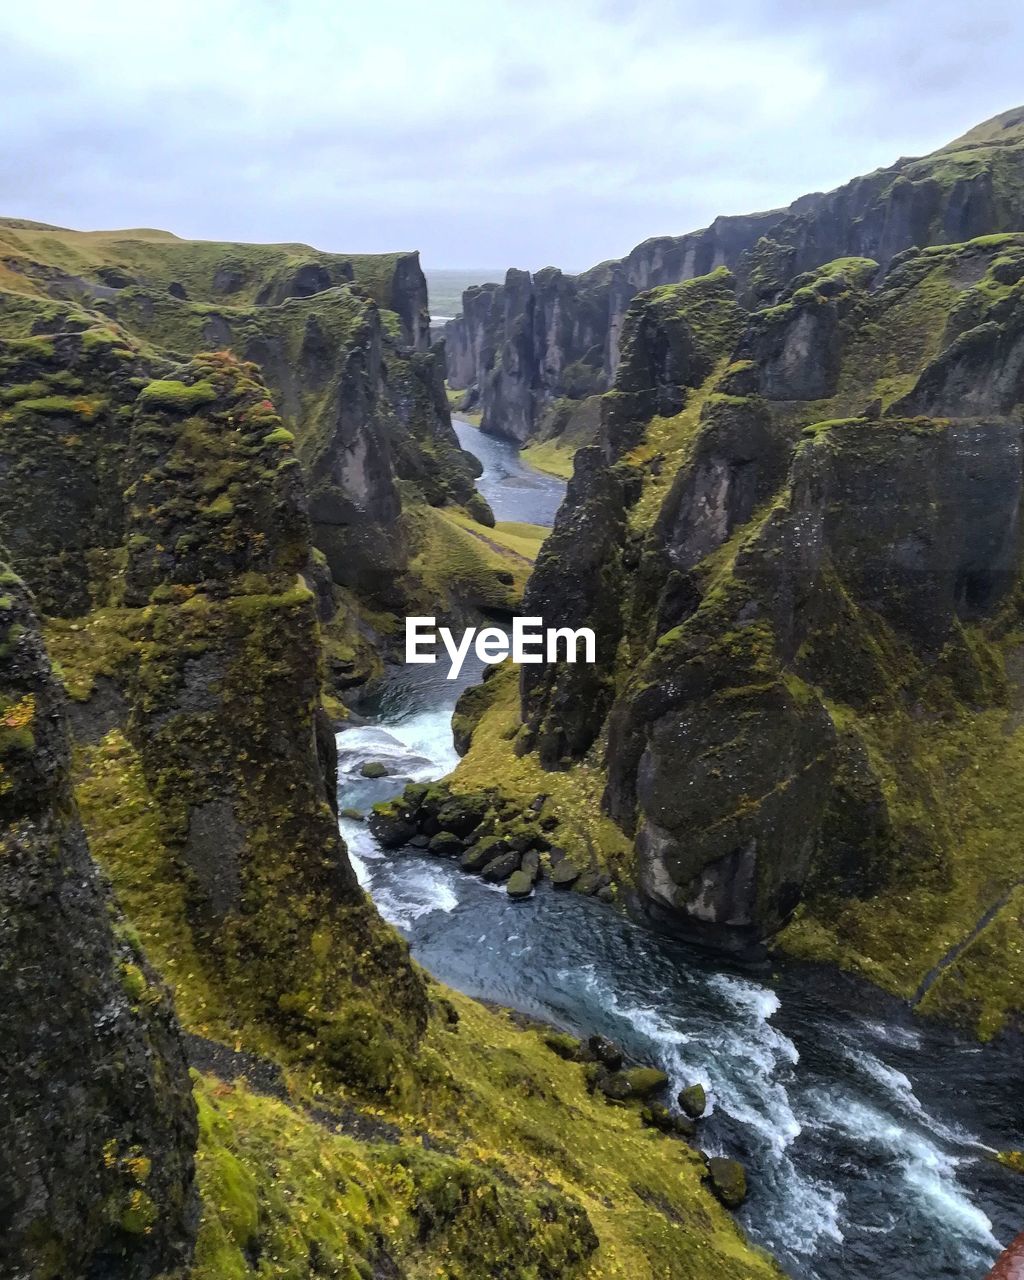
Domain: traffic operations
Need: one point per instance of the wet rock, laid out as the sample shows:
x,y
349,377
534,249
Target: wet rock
x,y
606,1052
462,814
632,1084
564,874
645,1081
693,1100
530,864
520,885
446,844
501,867
353,815
414,794
591,882
728,1181
483,852
373,769
391,828
657,1116
419,842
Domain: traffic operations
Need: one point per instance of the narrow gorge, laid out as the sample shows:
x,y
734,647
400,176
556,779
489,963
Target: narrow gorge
x,y
702,960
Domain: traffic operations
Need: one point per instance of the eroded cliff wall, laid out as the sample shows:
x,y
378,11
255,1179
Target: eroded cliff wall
x,y
97,1162
799,541
521,345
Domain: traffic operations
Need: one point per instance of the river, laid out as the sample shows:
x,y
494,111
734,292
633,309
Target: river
x,y
867,1132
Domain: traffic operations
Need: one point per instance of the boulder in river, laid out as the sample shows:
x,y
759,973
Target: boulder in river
x,y
693,1100
728,1181
520,884
391,827
564,873
446,844
483,852
657,1116
632,1084
373,769
606,1052
501,867
591,882
462,814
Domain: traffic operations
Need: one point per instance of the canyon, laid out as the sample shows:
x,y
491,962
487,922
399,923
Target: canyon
x,y
228,475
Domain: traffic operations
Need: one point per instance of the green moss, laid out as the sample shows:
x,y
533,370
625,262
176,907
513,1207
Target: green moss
x,y
124,831
83,407
170,394
583,829
553,456
281,436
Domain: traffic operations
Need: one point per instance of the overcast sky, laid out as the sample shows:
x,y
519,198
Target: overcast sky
x,y
484,133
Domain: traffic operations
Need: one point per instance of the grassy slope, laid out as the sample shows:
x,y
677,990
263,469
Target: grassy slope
x,y
588,836
509,1113
507,1110
159,259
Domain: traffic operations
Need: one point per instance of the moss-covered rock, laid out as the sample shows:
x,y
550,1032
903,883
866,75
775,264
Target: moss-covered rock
x,y
99,1126
693,1100
520,884
728,1181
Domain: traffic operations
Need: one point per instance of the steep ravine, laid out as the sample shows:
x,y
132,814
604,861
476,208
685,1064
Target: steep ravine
x,y
868,1132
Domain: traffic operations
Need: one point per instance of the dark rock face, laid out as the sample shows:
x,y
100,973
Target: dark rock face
x,y
343,345
919,529
524,343
63,504
576,583
799,575
96,1166
214,685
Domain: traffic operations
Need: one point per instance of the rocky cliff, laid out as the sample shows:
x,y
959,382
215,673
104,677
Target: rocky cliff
x,y
340,345
86,267
97,1169
519,346
188,527
355,1118
799,543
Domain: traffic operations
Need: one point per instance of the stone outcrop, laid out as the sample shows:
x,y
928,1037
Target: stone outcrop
x,y
96,1167
194,535
341,347
799,540
88,267
520,345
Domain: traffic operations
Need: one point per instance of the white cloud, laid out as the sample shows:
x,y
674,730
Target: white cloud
x,y
525,133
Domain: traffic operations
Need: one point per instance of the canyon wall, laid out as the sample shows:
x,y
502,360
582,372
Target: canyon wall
x,y
798,541
523,344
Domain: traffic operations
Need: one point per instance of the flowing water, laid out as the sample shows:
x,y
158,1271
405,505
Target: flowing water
x,y
867,1133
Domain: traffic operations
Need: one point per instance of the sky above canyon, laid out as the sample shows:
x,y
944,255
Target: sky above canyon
x,y
484,134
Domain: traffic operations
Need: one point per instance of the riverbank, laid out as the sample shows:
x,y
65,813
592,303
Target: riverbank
x,y
868,1133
